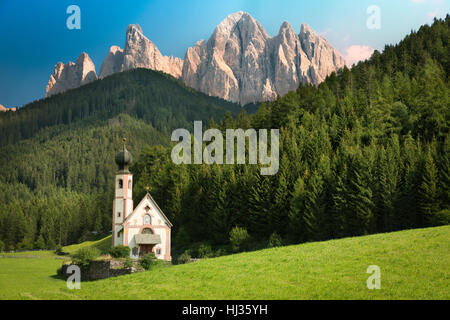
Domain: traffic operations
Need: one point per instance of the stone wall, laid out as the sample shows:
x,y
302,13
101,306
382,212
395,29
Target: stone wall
x,y
101,269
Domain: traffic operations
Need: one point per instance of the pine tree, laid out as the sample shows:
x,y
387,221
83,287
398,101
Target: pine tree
x,y
297,206
428,191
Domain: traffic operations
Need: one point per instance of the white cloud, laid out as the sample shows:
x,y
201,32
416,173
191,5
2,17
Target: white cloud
x,y
356,53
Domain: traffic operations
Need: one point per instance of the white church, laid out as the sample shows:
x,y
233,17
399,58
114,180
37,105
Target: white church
x,y
145,229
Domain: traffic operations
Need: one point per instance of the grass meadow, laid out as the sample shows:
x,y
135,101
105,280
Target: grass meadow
x,y
414,264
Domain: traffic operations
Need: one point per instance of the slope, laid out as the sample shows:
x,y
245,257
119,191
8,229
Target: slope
x,y
413,264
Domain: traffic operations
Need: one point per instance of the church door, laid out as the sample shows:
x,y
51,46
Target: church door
x,y
146,248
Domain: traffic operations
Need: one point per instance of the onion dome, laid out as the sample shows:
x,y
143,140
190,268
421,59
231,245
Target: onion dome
x,y
124,158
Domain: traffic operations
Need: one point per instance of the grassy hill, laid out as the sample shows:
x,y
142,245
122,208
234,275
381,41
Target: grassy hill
x,y
103,245
413,263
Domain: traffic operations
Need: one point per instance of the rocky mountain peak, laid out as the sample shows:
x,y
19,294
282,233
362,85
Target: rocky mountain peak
x,y
112,63
139,52
132,28
241,63
242,26
71,75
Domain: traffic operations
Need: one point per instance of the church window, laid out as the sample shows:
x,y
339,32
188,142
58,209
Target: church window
x,y
147,208
158,251
118,234
147,219
118,214
120,183
129,184
147,231
134,251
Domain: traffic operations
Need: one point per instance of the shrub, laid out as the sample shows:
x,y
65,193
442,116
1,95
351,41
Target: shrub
x,y
239,239
441,218
128,262
59,251
24,245
275,240
147,261
84,256
119,252
184,258
220,252
204,251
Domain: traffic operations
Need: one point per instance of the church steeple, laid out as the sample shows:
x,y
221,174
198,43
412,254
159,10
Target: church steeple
x,y
123,198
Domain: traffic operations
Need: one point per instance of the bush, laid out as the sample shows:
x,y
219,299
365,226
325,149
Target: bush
x,y
128,262
84,256
239,239
442,218
204,251
275,240
59,251
220,252
24,245
119,252
147,261
184,258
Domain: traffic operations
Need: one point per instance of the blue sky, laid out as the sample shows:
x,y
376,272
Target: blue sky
x,y
34,36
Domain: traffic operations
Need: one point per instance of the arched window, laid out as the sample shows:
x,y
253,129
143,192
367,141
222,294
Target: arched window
x,y
120,183
129,184
147,231
147,219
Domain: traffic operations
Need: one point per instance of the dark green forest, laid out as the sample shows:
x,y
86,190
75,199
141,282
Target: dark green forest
x,y
366,151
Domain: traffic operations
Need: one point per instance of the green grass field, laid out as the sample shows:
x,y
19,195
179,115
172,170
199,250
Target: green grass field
x,y
103,245
414,265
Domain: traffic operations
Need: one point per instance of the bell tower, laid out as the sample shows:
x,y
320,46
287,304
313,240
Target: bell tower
x,y
123,196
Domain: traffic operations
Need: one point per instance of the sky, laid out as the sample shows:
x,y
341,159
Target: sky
x,y
34,34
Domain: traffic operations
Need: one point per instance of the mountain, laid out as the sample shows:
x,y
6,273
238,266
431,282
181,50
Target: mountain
x,y
4,109
139,52
240,62
159,99
71,75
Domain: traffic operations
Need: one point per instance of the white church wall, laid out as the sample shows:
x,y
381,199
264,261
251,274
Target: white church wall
x,y
129,206
118,208
118,240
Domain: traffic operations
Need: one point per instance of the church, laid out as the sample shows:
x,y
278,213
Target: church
x,y
144,229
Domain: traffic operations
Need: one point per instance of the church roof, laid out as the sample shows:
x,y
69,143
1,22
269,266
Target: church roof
x,y
156,205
